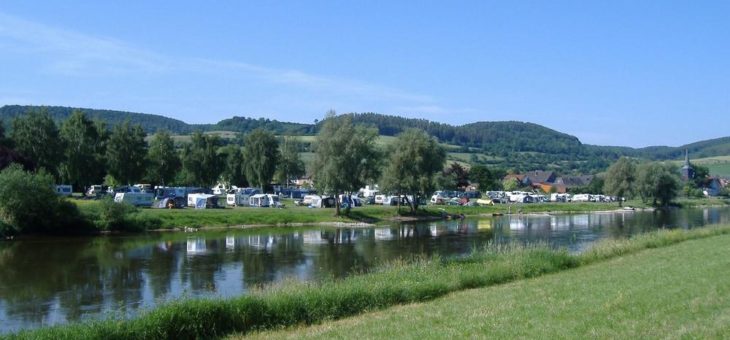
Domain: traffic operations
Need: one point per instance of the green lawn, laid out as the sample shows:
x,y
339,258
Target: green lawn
x,y
680,291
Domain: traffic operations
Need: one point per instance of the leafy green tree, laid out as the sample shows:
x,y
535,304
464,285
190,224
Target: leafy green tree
x,y
620,179
345,156
80,138
162,159
234,170
415,159
510,184
4,140
261,152
484,177
36,137
702,174
126,153
657,182
28,204
201,163
290,164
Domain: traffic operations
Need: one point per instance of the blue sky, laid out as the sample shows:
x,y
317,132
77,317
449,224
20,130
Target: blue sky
x,y
634,73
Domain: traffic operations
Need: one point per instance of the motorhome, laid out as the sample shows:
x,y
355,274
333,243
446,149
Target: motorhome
x,y
582,198
134,196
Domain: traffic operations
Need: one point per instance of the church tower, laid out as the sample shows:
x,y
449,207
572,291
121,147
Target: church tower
x,y
687,172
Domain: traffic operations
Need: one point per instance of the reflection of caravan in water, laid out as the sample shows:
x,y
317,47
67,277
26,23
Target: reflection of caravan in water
x,y
517,223
196,246
383,234
230,242
313,237
260,241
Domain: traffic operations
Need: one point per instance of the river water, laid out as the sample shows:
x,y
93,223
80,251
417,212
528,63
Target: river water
x,y
47,281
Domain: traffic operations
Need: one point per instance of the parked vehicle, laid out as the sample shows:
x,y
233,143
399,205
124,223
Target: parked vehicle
x,y
240,196
582,198
202,201
95,191
264,200
64,190
145,188
135,196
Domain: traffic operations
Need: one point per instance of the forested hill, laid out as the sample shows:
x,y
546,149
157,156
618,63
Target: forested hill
x,y
496,138
149,122
152,123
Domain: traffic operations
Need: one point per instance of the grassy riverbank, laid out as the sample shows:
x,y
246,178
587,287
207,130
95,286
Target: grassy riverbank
x,y
291,214
393,284
682,291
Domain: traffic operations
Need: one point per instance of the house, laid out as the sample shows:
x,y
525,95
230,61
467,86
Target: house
x,y
570,182
539,176
713,187
303,182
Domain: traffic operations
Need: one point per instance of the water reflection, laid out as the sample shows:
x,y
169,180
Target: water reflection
x,y
48,281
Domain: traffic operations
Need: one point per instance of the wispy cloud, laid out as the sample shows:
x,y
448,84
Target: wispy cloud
x,y
76,54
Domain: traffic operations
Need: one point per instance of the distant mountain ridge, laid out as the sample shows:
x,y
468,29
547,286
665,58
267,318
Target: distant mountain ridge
x,y
497,138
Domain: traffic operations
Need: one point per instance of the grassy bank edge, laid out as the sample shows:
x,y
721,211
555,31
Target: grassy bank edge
x,y
395,283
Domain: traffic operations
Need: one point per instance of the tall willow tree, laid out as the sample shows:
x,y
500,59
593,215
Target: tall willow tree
x,y
346,156
261,152
201,163
620,179
36,137
415,158
126,153
80,165
290,165
162,159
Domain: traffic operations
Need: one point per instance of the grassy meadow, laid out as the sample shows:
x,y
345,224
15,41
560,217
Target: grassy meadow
x,y
682,291
636,293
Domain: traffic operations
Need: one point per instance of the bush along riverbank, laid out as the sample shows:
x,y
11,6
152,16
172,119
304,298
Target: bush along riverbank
x,y
395,283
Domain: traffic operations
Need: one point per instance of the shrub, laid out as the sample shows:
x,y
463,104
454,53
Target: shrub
x,y
112,216
28,204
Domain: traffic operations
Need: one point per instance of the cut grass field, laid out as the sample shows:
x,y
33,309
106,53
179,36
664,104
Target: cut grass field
x,y
681,291
419,280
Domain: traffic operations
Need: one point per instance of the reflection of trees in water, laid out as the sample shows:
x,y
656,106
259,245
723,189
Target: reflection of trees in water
x,y
77,273
162,267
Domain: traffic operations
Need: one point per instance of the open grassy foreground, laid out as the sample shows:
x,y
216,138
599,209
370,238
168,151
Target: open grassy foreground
x,y
681,291
632,293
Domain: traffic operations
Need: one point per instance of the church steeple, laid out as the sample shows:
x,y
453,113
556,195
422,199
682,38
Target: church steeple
x,y
687,171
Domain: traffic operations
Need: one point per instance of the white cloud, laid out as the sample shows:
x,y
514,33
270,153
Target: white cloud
x,y
73,54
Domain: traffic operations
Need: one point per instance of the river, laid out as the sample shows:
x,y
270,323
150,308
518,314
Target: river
x,y
48,281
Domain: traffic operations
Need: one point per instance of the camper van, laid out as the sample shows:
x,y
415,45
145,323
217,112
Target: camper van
x,y
240,196
135,197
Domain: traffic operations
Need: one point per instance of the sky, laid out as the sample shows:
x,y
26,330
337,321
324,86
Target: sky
x,y
627,73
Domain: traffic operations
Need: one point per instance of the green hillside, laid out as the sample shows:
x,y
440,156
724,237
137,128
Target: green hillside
x,y
519,146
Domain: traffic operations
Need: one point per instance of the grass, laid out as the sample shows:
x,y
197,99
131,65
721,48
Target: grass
x,y
681,291
400,282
